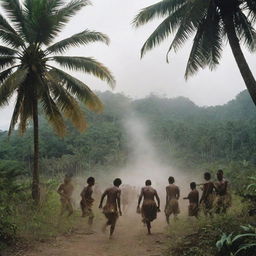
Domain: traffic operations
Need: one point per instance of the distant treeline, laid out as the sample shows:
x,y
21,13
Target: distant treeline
x,y
182,131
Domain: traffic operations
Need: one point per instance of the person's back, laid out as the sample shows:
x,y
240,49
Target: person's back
x,y
193,197
149,207
112,194
172,191
148,194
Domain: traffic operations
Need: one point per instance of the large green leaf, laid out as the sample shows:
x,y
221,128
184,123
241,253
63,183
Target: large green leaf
x,y
82,38
87,65
8,87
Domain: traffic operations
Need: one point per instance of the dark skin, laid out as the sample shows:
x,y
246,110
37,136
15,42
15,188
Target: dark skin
x,y
86,195
65,191
113,200
149,194
172,191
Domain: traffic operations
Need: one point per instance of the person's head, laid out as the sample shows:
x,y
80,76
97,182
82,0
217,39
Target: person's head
x,y
91,181
207,176
220,174
192,185
171,180
67,178
117,182
148,182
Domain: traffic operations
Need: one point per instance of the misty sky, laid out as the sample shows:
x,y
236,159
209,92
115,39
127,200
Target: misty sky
x,y
138,78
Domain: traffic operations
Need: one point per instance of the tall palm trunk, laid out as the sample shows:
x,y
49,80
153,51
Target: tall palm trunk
x,y
35,174
239,57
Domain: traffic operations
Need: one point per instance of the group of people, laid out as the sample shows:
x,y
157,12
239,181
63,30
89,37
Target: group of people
x,y
215,199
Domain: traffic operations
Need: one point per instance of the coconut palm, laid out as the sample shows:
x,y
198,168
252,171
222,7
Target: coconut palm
x,y
212,22
27,57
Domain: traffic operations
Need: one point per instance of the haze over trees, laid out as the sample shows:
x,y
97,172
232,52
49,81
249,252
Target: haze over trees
x,y
27,71
210,23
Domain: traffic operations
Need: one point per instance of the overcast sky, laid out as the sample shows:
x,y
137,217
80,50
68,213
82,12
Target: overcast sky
x,y
138,78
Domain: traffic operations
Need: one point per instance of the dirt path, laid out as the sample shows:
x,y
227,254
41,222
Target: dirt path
x,y
130,239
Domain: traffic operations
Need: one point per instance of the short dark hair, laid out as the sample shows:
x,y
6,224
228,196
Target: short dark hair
x,y
117,182
171,180
192,185
220,171
148,182
207,175
90,180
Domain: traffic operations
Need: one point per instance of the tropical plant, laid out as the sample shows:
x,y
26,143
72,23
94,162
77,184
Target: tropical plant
x,y
27,71
212,22
239,244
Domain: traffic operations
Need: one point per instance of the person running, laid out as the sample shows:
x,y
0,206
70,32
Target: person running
x,y
172,197
193,198
207,197
87,200
112,208
149,207
223,198
65,191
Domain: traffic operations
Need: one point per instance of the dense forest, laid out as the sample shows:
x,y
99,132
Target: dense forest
x,y
186,134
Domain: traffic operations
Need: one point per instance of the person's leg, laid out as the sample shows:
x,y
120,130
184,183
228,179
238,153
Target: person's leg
x,y
91,217
148,227
167,218
70,209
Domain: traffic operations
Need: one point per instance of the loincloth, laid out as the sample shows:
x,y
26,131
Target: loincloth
x,y
208,202
149,211
86,206
172,207
193,209
223,201
111,213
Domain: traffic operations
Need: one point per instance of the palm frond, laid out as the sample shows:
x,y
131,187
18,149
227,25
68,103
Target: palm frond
x,y
4,74
14,11
167,27
8,87
6,61
78,89
196,58
245,30
196,11
7,51
66,103
160,9
87,65
82,38
250,6
16,111
53,114
8,34
26,113
62,16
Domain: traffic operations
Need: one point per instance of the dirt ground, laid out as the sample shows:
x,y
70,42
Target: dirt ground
x,y
130,239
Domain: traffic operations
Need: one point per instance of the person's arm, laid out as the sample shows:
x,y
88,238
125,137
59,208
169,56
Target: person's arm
x,y
140,197
158,200
203,195
82,193
178,194
102,198
60,190
167,197
118,199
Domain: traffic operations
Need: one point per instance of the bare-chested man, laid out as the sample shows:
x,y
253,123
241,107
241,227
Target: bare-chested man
x,y
223,198
172,197
112,208
65,191
193,198
149,207
87,200
207,197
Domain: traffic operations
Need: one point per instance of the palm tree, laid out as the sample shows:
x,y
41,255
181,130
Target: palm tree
x,y
27,58
213,22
